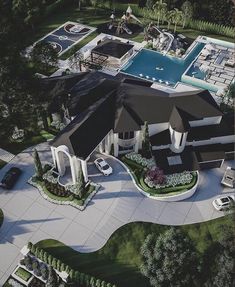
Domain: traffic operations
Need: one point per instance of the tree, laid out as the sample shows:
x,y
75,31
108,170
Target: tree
x,y
177,17
52,280
149,4
169,18
160,9
146,145
37,164
80,185
75,61
187,10
169,259
28,11
43,56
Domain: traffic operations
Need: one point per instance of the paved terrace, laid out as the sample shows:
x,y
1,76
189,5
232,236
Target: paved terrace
x,y
221,74
29,217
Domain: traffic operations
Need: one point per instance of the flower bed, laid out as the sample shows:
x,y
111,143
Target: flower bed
x,y
173,184
69,194
142,161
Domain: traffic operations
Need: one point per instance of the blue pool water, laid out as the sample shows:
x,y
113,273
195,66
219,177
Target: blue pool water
x,y
155,67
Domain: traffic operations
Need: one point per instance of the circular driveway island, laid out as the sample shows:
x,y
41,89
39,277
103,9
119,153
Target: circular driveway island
x,y
29,217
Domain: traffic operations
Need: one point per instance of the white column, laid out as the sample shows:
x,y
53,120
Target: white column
x,y
137,143
101,147
72,161
60,162
107,144
84,169
115,144
53,155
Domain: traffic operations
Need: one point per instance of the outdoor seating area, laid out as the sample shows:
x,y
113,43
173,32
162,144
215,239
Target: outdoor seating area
x,y
215,65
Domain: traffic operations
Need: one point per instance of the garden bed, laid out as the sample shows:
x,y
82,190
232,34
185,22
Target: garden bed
x,y
138,173
53,191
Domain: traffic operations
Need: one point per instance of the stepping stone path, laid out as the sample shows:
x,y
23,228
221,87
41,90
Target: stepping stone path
x,y
5,155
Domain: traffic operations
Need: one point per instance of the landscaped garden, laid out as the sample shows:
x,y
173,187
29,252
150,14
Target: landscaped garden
x,y
47,181
120,259
152,180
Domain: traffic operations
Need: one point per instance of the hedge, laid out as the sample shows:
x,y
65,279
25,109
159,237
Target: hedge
x,y
85,280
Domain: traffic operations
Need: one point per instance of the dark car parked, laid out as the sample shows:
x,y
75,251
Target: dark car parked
x,y
10,177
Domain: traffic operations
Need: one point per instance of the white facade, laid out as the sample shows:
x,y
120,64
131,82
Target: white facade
x,y
206,122
178,140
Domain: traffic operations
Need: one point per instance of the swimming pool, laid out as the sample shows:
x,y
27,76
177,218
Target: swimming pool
x,y
156,67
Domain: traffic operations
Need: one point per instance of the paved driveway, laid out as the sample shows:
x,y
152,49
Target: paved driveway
x,y
28,217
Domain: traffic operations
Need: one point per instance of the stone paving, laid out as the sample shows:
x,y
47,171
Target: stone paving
x,y
5,155
28,217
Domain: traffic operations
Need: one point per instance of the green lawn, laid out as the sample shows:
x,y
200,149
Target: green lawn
x,y
119,260
23,274
1,217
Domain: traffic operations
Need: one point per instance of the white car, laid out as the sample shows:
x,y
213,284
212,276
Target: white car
x,y
223,202
103,166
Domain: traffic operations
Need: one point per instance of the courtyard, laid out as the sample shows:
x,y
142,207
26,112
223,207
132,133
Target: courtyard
x,y
29,217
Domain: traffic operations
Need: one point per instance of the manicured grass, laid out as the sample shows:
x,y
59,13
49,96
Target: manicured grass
x,y
23,274
119,260
2,163
1,217
75,48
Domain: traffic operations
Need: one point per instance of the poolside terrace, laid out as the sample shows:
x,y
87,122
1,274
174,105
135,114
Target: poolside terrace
x,y
214,65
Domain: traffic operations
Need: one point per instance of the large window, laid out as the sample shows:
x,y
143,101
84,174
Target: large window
x,y
126,135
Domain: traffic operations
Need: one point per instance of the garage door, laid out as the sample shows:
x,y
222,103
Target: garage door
x,y
211,164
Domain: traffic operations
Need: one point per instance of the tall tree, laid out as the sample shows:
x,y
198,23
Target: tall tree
x,y
169,259
177,17
29,11
187,10
38,164
146,145
43,57
160,8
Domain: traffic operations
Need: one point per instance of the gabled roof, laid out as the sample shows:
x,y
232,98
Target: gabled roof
x,y
101,103
88,129
178,120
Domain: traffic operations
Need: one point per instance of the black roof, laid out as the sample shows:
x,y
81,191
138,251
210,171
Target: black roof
x,y
101,103
114,48
178,120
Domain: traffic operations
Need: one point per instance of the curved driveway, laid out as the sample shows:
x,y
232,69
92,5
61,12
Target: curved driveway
x,y
28,217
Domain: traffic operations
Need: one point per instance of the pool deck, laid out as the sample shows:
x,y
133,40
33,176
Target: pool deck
x,y
220,74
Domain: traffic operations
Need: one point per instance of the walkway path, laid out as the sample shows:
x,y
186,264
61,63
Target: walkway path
x,y
28,217
5,155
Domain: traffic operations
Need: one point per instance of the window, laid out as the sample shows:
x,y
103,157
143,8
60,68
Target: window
x,y
126,135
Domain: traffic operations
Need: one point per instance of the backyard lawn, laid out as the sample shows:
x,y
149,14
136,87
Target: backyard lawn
x,y
119,260
93,18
